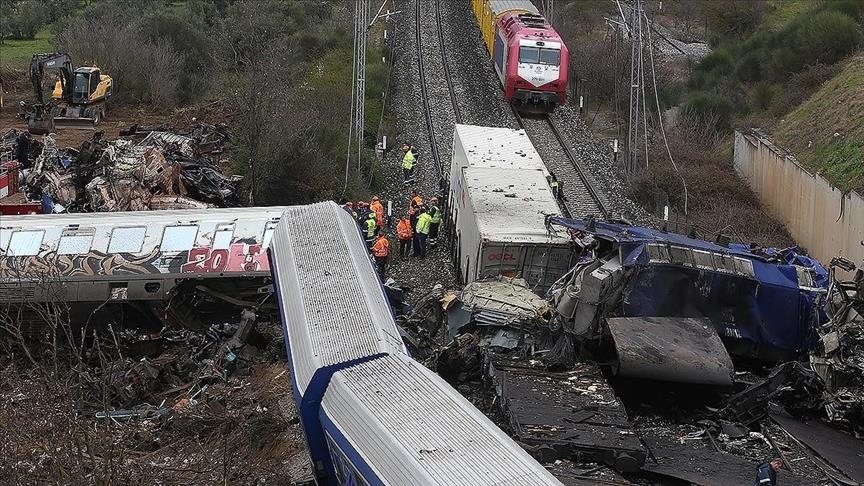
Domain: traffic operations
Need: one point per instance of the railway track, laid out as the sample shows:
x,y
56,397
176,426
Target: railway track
x,y
424,88
581,197
457,115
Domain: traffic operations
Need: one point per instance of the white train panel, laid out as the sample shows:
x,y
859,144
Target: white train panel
x,y
408,426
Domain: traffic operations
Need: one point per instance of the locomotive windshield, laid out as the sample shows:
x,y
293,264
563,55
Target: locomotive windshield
x,y
539,55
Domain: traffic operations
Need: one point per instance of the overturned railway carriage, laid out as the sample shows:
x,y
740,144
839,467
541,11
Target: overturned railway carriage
x,y
141,258
371,414
529,56
764,304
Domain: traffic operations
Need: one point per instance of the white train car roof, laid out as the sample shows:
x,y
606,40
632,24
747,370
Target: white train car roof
x,y
506,148
411,427
499,7
510,204
335,308
163,235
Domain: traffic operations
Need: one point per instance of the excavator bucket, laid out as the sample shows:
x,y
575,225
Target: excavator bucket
x,y
61,122
40,126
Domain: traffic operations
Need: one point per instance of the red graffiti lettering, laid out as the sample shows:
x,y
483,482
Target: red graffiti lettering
x,y
239,257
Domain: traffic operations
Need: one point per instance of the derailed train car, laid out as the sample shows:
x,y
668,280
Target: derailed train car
x,y
137,261
529,56
370,413
762,303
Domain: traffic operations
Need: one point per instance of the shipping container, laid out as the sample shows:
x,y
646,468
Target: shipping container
x,y
499,221
503,148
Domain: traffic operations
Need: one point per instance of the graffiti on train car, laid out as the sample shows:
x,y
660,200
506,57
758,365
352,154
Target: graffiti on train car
x,y
239,257
49,264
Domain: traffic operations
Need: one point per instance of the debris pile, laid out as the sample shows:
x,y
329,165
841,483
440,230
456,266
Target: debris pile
x,y
840,360
164,170
180,405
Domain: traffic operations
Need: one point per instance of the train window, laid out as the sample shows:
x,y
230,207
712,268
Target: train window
x,y
269,228
179,238
127,240
5,234
551,57
530,55
222,239
25,243
74,244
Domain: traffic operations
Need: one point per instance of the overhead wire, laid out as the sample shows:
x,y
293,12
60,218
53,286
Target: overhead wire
x,y
660,120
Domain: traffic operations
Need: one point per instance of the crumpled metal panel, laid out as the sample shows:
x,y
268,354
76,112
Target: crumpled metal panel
x,y
675,349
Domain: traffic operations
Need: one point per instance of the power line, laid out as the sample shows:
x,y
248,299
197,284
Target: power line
x,y
660,120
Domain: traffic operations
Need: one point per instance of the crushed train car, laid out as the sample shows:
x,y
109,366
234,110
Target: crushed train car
x,y
665,290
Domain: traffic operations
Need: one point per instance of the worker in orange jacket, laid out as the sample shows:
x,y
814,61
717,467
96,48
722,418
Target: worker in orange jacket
x,y
378,208
414,206
405,234
381,250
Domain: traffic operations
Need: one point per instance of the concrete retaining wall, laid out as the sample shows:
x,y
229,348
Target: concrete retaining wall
x,y
820,217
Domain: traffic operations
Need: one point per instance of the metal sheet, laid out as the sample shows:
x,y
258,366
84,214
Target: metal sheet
x,y
676,349
843,451
699,464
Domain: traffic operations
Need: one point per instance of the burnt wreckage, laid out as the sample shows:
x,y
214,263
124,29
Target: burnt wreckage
x,y
673,306
653,310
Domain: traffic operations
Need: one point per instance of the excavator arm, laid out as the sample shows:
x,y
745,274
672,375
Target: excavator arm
x,y
56,60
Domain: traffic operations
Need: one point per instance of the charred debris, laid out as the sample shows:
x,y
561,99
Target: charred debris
x,y
662,356
150,168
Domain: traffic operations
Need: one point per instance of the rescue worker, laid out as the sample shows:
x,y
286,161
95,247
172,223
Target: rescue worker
x,y
558,189
362,212
408,160
371,227
349,208
434,222
405,234
766,475
378,209
553,185
414,208
423,222
381,250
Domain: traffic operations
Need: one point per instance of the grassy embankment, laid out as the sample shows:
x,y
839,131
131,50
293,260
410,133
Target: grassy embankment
x,y
837,108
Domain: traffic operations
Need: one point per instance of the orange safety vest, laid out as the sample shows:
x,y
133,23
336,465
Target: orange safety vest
x,y
403,229
381,247
379,212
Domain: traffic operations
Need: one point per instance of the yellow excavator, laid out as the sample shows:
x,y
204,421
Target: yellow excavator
x,y
78,98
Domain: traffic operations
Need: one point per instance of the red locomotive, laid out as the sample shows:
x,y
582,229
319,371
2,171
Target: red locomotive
x,y
529,56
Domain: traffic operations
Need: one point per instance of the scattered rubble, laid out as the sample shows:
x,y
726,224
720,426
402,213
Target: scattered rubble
x,y
199,407
526,362
164,170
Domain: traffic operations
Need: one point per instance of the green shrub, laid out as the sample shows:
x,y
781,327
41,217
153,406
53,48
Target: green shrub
x,y
827,37
719,62
763,93
709,111
749,68
852,8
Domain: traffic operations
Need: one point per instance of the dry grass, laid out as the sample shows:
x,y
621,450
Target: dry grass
x,y
719,201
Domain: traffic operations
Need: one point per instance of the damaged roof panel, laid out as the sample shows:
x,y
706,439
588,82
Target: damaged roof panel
x,y
317,248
